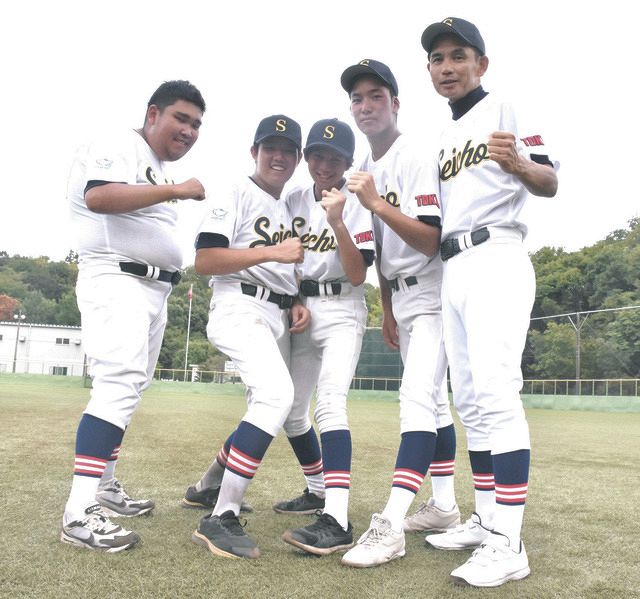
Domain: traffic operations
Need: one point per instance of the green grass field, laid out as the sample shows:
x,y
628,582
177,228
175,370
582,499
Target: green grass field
x,y
581,531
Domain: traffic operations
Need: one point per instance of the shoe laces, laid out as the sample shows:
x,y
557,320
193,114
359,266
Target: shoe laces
x,y
117,486
232,524
423,507
373,536
97,522
323,521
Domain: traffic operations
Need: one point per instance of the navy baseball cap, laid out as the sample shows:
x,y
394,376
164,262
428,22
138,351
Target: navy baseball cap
x,y
466,31
333,134
278,125
370,67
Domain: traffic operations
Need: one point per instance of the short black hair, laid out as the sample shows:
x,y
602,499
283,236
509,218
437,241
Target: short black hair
x,y
172,91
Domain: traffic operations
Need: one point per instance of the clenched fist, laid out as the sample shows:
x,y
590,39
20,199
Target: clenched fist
x,y
289,251
191,189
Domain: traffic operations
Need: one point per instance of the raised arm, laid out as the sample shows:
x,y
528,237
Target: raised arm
x,y
420,236
116,198
350,257
539,179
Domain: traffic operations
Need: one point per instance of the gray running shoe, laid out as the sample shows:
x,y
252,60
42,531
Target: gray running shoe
x,y
224,536
96,531
430,518
207,499
116,502
307,503
323,537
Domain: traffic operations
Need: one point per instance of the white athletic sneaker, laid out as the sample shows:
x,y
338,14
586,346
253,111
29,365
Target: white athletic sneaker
x,y
378,545
115,501
429,518
464,536
493,564
96,531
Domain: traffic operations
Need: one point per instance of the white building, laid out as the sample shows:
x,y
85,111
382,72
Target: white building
x,y
41,349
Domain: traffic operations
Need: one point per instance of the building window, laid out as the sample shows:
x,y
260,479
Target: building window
x,y
62,341
61,370
0,337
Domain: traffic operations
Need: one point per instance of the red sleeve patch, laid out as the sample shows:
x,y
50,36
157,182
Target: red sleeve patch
x,y
532,140
428,200
362,237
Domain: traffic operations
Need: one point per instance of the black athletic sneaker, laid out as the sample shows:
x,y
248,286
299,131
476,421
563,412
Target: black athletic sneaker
x,y
322,537
224,536
307,503
207,499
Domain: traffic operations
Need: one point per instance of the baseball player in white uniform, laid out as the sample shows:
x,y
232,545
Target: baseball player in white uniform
x,y
337,233
487,164
397,186
247,243
123,206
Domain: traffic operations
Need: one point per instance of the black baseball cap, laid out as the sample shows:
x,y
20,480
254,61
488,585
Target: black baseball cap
x,y
333,134
465,30
372,68
278,125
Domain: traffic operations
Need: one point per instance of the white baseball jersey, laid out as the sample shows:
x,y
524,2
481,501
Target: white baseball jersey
x,y
321,256
249,217
408,180
475,191
146,235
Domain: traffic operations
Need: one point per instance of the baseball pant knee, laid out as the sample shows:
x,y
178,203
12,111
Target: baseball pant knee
x,y
331,413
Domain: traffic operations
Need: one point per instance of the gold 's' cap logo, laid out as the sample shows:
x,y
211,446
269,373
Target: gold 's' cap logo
x,y
279,125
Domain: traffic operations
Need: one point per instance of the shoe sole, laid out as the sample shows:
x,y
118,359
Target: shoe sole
x,y
200,539
195,504
434,530
519,575
287,537
78,543
245,508
460,548
453,547
309,512
429,530
360,565
113,514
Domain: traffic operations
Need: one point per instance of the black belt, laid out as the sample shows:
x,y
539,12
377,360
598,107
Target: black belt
x,y
283,301
450,247
409,282
312,288
151,272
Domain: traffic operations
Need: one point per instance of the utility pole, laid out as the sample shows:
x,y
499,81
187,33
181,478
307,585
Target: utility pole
x,y
19,317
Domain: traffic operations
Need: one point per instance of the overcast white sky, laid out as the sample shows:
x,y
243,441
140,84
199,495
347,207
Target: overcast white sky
x,y
73,68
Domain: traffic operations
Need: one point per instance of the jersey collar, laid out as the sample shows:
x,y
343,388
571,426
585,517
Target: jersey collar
x,y
460,107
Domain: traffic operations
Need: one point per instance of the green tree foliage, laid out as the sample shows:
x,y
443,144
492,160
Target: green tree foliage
x,y
603,276
374,306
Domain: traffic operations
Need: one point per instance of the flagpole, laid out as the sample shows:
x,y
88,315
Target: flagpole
x,y
186,349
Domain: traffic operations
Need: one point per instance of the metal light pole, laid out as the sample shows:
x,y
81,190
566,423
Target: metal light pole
x,y
18,317
186,349
577,325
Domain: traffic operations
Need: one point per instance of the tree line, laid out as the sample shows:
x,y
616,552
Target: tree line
x,y
605,276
